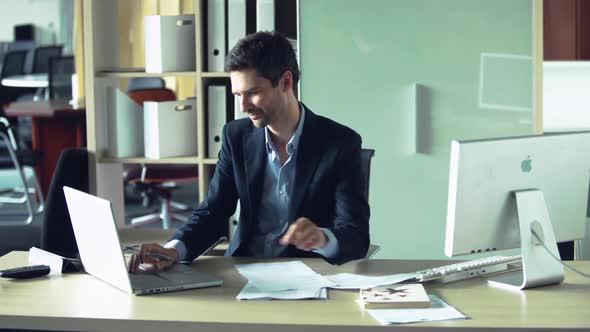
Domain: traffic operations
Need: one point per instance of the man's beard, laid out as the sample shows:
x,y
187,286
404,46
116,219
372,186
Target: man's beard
x,y
260,118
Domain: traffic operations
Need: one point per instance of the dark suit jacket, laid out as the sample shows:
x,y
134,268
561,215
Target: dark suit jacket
x,y
327,189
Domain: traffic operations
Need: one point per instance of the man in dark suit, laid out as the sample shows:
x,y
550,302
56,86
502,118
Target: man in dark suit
x,y
297,174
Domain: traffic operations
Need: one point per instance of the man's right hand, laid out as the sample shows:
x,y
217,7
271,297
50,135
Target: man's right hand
x,y
154,258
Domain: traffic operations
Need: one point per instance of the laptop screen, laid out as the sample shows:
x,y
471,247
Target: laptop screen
x,y
96,234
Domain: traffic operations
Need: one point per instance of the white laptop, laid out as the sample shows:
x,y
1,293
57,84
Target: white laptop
x,y
100,250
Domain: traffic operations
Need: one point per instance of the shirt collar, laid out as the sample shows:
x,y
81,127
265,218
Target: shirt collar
x,y
294,141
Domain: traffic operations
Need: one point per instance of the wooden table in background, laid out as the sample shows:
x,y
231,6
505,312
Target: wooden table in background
x,y
27,81
56,125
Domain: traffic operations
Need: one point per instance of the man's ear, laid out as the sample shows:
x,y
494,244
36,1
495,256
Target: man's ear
x,y
287,81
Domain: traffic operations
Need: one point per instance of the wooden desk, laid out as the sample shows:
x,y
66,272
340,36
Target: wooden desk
x,y
56,125
81,302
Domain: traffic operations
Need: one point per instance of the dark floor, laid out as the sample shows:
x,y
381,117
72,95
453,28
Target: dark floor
x,y
186,193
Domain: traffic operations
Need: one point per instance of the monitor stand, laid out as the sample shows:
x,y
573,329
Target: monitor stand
x,y
538,267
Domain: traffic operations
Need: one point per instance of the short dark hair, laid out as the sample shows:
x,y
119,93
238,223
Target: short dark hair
x,y
269,53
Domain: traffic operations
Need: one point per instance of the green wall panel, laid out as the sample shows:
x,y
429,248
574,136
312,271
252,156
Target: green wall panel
x,y
410,76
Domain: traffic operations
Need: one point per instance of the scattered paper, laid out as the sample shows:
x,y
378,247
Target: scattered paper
x,y
355,281
41,257
272,277
439,310
250,292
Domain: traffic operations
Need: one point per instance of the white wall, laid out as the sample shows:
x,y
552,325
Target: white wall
x,y
565,95
565,107
44,14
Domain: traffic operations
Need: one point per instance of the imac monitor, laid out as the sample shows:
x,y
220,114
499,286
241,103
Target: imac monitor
x,y
501,189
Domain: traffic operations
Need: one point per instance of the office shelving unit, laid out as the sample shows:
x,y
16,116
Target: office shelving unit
x,y
102,58
103,69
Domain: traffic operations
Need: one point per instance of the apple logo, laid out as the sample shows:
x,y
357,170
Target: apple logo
x,y
526,165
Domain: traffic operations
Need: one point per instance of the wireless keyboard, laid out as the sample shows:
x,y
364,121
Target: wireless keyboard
x,y
470,269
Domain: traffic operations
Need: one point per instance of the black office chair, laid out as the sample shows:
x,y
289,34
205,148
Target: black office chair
x,y
19,230
57,235
566,250
366,156
21,162
21,45
38,59
61,69
13,64
51,231
158,182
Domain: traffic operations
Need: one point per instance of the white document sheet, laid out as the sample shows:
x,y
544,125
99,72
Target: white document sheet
x,y
250,292
41,257
356,281
269,277
439,310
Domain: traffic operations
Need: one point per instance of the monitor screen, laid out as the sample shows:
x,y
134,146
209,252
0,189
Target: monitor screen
x,y
485,174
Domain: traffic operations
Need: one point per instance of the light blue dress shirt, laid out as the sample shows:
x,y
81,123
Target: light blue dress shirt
x,y
275,203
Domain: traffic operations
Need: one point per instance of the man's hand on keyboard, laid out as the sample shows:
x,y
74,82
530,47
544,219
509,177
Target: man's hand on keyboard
x,y
152,258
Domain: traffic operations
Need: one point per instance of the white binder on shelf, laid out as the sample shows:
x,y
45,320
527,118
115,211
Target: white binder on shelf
x,y
236,21
170,128
216,111
265,15
125,125
169,43
215,35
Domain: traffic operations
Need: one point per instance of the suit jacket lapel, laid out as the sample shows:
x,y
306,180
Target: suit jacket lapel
x,y
308,156
254,161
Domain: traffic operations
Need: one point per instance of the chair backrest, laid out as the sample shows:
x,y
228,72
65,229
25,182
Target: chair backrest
x,y
14,63
366,156
15,46
3,49
38,61
61,69
21,45
57,235
141,96
143,83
